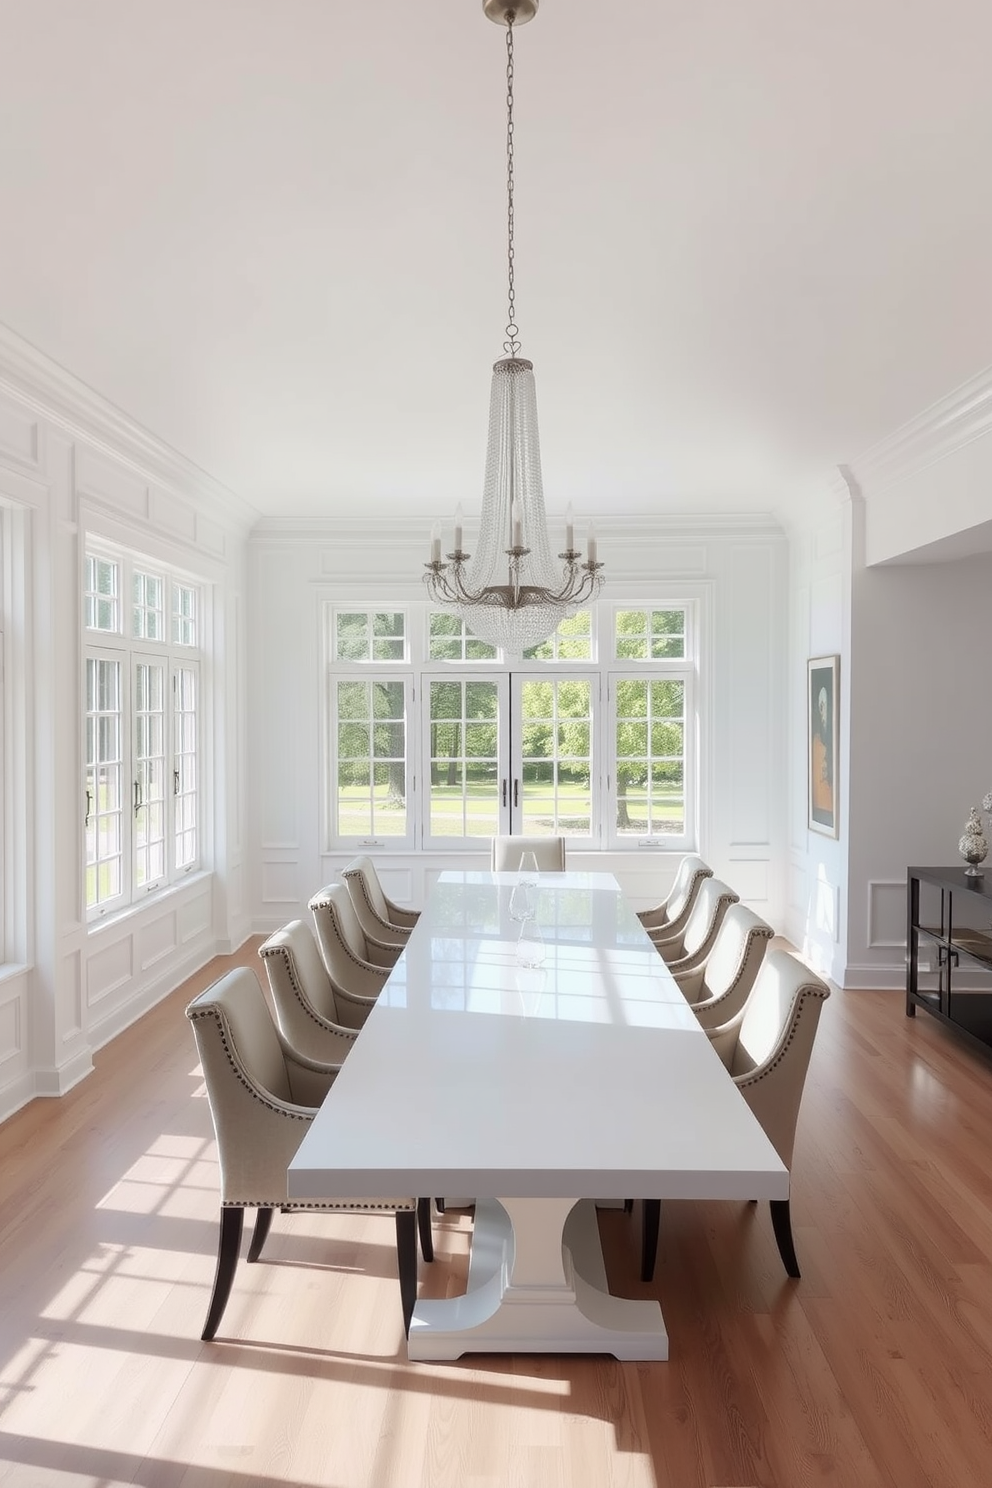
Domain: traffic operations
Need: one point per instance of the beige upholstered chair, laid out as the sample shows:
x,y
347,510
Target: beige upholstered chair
x,y
507,851
767,1050
316,1021
344,949
689,948
263,1096
378,916
669,917
719,987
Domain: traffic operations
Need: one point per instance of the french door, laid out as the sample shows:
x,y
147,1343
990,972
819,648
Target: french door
x,y
515,753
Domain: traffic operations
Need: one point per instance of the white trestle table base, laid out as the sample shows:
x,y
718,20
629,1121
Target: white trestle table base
x,y
537,1091
537,1285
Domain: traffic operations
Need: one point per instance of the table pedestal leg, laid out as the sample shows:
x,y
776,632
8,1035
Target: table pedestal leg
x,y
537,1284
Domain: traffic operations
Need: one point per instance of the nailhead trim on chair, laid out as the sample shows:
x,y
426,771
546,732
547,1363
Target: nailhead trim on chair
x,y
253,1090
802,998
757,932
317,903
356,873
311,1012
359,1206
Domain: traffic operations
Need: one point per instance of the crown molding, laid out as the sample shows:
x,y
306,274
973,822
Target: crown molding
x,y
32,378
957,420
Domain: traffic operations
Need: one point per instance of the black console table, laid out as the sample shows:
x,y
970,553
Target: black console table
x,y
951,912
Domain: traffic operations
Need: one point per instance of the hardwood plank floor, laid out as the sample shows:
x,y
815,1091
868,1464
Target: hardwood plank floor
x,y
874,1371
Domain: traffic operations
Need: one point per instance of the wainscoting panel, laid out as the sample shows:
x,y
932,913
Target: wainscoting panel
x,y
194,918
886,912
280,883
108,969
70,992
158,938
11,1028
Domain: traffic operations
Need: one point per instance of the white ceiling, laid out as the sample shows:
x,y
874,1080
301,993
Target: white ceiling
x,y
753,236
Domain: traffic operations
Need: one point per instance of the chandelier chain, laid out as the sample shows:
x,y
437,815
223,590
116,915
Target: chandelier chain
x,y
512,343
512,594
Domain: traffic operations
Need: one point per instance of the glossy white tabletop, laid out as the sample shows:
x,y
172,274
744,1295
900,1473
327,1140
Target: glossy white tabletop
x,y
586,1076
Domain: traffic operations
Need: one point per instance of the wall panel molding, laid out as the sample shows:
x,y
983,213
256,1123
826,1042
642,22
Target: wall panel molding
x,y
20,434
37,384
886,913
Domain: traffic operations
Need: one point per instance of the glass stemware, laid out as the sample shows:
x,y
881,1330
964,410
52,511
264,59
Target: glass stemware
x,y
528,868
521,906
530,944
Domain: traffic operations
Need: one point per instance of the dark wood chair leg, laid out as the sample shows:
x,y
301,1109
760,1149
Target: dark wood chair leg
x,y
782,1225
439,1205
424,1226
263,1224
406,1262
650,1225
231,1223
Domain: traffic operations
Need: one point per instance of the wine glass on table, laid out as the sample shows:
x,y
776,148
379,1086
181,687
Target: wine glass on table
x,y
528,868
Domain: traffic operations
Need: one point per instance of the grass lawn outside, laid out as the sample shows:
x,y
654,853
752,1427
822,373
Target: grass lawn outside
x,y
476,812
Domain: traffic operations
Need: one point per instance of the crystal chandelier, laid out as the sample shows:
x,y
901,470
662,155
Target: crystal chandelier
x,y
512,593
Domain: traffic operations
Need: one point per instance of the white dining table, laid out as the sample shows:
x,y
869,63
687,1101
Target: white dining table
x,y
537,1090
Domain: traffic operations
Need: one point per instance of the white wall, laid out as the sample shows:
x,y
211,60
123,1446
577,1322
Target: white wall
x,y
916,720
737,569
69,467
921,718
819,625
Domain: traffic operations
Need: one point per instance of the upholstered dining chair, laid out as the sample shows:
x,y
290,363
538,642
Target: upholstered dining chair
x,y
317,1021
382,947
669,917
767,1049
719,988
548,851
263,1095
378,916
690,947
343,947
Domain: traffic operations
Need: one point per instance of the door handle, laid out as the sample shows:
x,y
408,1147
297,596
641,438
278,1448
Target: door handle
x,y
516,794
137,798
504,795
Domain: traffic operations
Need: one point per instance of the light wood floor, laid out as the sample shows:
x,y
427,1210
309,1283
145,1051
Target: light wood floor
x,y
875,1369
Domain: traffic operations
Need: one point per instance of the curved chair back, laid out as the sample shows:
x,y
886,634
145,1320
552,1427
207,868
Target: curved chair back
x,y
371,910
343,947
671,914
263,1095
309,1015
507,851
688,950
770,1049
767,1050
249,1079
719,988
376,911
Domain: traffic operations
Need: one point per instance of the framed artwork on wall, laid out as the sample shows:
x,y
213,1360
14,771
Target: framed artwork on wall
x,y
821,713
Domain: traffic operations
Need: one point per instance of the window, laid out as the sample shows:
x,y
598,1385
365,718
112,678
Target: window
x,y
372,757
142,800
559,742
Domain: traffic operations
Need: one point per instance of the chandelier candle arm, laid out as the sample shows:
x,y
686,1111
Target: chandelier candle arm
x,y
517,596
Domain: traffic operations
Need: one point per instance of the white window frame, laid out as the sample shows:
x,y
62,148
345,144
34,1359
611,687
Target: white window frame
x,y
465,673
171,656
603,669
